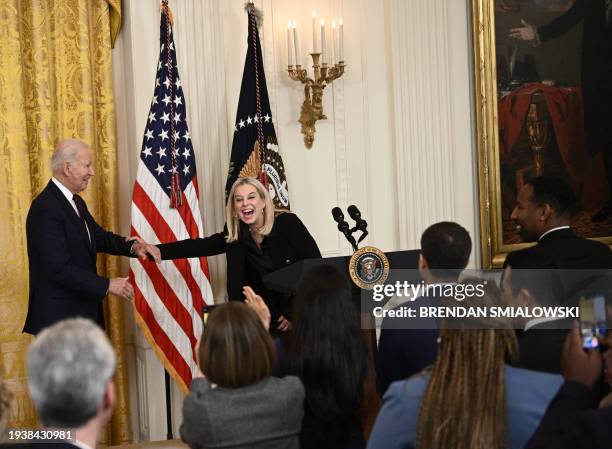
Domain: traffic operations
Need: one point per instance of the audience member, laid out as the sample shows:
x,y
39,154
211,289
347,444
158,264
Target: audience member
x,y
445,251
540,339
327,351
470,399
237,404
70,368
573,419
543,211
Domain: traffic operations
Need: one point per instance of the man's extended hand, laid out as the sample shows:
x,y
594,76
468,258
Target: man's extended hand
x,y
143,249
121,287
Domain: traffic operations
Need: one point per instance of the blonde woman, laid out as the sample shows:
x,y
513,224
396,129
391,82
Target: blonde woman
x,y
257,241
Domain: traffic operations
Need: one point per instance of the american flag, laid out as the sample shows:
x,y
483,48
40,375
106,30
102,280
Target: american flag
x,y
169,297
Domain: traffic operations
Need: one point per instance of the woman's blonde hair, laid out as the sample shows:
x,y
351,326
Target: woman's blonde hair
x,y
464,405
232,220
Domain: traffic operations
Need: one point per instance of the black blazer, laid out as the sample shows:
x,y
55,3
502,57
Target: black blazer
x,y
564,250
288,242
541,346
62,261
573,421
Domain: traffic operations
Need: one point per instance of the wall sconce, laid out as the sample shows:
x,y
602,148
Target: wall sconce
x,y
312,107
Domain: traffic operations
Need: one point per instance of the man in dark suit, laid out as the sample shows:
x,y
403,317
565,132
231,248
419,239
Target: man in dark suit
x,y
402,352
63,240
543,211
70,369
540,339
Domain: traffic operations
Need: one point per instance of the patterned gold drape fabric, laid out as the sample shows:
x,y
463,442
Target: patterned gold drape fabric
x,y
55,82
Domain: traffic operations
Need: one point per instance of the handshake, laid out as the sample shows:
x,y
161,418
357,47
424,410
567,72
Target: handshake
x,y
144,250
121,286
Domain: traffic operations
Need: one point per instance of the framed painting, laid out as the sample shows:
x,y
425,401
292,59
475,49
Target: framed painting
x,y
543,97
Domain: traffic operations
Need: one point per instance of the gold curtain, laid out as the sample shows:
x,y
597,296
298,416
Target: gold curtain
x,y
55,82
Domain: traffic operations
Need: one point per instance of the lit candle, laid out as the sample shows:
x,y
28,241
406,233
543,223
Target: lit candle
x,y
289,55
335,42
341,51
296,44
314,34
323,43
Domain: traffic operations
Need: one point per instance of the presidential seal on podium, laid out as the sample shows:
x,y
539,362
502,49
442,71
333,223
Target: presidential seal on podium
x,y
368,267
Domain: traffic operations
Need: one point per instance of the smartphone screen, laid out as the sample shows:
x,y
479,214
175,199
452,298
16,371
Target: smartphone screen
x,y
593,320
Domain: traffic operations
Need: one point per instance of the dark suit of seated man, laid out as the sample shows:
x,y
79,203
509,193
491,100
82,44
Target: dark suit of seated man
x,y
63,240
445,251
543,211
540,339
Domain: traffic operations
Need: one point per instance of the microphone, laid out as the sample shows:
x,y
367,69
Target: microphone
x,y
343,226
360,224
337,214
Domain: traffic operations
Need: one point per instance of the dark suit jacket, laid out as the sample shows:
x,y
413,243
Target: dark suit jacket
x,y
288,242
564,250
540,346
403,352
573,421
62,261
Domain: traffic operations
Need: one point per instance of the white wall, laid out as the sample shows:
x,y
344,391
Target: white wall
x,y
397,141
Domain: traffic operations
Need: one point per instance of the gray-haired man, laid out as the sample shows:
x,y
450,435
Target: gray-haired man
x,y
70,368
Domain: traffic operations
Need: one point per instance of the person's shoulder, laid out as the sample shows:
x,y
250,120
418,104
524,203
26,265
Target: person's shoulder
x,y
596,245
528,380
286,218
518,258
45,195
410,388
199,386
289,385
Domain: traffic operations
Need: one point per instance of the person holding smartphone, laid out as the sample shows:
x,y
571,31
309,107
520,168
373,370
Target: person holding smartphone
x,y
578,417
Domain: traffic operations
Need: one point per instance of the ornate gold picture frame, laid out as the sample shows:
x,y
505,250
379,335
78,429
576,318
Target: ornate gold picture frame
x,y
496,193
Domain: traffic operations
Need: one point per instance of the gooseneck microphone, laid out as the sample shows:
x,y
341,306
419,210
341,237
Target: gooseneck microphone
x,y
360,224
343,226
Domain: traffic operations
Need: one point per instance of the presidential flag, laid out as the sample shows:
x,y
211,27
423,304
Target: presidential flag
x,y
255,148
169,297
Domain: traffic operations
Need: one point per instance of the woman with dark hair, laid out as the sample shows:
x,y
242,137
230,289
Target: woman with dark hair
x,y
327,352
257,241
237,403
470,399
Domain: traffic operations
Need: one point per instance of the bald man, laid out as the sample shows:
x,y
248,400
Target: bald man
x,y
63,240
